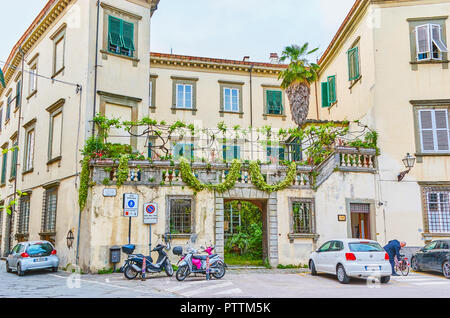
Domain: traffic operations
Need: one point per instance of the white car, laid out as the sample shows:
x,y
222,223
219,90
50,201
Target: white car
x,y
348,258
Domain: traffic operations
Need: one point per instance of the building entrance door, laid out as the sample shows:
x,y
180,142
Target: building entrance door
x,y
360,220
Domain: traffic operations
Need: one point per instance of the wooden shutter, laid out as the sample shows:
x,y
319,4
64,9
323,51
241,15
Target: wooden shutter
x,y
5,159
423,44
18,93
325,102
331,89
442,132
426,130
128,35
14,162
436,37
353,64
114,31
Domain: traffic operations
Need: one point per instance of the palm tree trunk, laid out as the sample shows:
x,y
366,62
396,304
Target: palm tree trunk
x,y
298,94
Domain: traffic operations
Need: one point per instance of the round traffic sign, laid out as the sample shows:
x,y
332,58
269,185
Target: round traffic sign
x,y
150,209
131,204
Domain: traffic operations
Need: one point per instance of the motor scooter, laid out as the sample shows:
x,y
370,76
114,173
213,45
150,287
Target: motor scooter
x,y
190,262
134,263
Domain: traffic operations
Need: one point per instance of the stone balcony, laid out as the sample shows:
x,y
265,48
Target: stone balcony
x,y
167,173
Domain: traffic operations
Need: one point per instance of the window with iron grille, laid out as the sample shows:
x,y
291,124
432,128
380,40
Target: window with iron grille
x,y
49,215
437,209
359,207
180,215
24,215
302,222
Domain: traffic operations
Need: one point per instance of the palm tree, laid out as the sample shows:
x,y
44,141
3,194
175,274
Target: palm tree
x,y
297,79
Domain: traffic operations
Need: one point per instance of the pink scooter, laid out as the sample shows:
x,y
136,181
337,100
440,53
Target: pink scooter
x,y
192,263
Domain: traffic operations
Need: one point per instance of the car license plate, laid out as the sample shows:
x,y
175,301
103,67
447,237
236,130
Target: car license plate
x,y
373,268
40,259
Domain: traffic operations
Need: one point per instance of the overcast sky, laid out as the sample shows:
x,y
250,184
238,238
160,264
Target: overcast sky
x,y
214,28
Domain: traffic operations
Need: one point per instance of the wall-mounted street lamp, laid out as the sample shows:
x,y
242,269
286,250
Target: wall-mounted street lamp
x,y
409,162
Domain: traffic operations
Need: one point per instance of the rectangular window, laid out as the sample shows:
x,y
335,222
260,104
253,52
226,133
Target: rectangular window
x,y
231,99
55,135
353,64
4,164
29,150
1,118
184,96
434,130
120,36
294,148
24,215
275,153
8,108
180,214
437,209
302,217
274,102
14,160
59,55
231,152
33,79
183,150
49,215
429,42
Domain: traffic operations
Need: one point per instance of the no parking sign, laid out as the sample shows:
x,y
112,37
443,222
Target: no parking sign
x,y
150,213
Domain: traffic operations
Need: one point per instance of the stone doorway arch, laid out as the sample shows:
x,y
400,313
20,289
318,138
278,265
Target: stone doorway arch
x,y
268,204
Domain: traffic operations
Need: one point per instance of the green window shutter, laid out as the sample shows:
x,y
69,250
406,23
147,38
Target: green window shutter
x,y
325,102
149,152
18,93
14,163
331,89
114,31
128,35
237,152
274,102
281,153
353,64
5,158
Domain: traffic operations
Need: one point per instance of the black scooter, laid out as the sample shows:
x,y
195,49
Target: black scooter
x,y
133,265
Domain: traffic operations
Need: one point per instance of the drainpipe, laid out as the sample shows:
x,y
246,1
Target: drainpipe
x,y
95,69
17,156
317,101
93,124
251,111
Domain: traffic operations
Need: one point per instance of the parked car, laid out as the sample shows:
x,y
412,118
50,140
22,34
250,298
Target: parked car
x,y
348,258
435,256
34,255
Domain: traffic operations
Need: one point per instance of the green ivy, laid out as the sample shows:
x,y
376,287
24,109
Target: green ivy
x,y
259,182
84,183
122,171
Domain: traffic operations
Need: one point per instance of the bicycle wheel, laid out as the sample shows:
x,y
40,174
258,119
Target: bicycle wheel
x,y
404,268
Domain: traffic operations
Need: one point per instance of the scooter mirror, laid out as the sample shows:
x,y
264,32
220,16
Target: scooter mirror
x,y
193,238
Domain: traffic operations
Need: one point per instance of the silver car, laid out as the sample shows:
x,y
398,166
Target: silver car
x,y
34,255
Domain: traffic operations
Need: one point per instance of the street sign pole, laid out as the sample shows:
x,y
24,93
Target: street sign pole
x,y
129,230
150,239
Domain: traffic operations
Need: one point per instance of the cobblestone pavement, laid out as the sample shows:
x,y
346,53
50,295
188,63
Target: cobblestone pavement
x,y
261,283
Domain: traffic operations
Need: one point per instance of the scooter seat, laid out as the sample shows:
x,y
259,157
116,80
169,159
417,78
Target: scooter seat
x,y
203,257
148,258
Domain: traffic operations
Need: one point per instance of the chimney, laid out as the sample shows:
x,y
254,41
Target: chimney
x,y
246,59
274,58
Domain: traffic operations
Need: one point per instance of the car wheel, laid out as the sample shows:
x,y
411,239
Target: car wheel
x,y
414,265
20,272
342,275
446,269
8,269
385,279
54,269
312,267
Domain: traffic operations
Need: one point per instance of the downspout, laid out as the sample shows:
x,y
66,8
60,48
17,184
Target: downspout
x,y
93,123
251,111
17,156
95,69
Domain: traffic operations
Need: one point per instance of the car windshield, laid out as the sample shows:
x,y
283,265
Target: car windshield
x,y
365,247
39,248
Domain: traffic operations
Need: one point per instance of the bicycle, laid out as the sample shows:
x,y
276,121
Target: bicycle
x,y
402,265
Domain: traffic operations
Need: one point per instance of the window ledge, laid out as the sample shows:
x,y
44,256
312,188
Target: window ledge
x,y
2,185
32,94
58,72
16,109
183,236
433,154
430,62
355,81
28,171
230,112
427,234
56,159
12,179
293,236
133,59
275,115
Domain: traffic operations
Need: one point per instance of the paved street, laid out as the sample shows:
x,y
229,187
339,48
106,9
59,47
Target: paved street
x,y
236,283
